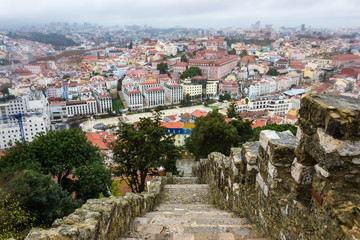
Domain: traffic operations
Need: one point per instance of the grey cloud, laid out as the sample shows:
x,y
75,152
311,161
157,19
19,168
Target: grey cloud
x,y
189,13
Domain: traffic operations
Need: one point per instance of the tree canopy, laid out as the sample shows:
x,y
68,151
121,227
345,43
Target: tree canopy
x,y
183,58
13,217
231,110
224,97
273,72
57,40
191,72
243,53
232,52
140,150
212,134
162,67
45,172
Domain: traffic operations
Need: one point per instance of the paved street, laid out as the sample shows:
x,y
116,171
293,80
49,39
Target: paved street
x,y
88,125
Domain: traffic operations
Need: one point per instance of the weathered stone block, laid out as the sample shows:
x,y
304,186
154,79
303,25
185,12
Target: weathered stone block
x,y
302,174
338,115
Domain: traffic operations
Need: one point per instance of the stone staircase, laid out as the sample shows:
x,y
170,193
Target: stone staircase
x,y
186,213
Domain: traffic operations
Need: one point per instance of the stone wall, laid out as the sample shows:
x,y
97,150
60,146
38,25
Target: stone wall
x,y
106,218
303,187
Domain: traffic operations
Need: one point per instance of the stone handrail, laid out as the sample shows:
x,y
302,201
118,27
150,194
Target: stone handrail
x,y
105,218
303,187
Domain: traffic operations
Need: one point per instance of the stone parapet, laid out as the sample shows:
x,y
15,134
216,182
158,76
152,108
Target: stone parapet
x,y
303,187
105,218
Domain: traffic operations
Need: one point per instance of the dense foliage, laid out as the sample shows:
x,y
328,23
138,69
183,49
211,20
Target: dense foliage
x,y
224,97
46,172
162,67
191,72
273,72
140,150
13,218
212,134
57,40
183,58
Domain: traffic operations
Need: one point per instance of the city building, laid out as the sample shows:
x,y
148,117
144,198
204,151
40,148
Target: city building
x,y
133,98
35,118
173,92
154,96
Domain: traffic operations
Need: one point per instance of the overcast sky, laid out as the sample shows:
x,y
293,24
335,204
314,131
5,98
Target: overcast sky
x,y
187,13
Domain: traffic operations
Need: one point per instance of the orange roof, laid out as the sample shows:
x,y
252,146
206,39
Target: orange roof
x,y
172,124
101,139
258,123
155,89
198,113
133,91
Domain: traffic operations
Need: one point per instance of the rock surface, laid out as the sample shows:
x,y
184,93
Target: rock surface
x,y
185,213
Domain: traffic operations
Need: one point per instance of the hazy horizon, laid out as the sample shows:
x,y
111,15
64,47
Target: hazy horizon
x,y
185,13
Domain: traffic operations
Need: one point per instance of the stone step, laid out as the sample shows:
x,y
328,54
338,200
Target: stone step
x,y
197,232
197,236
186,180
186,193
187,221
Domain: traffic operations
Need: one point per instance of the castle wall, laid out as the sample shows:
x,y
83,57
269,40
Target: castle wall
x,y
303,187
105,218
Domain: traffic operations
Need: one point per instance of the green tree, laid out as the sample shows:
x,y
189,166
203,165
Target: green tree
x,y
191,72
162,67
244,131
66,76
62,154
43,197
183,58
130,45
243,53
14,218
140,150
232,52
273,72
5,90
211,134
225,97
231,110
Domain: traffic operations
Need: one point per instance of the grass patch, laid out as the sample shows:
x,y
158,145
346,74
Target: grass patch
x,y
117,104
214,107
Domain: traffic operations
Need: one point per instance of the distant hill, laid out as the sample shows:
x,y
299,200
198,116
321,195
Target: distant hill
x,y
57,40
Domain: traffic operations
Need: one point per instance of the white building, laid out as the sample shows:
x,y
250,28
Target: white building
x,y
36,118
263,87
133,98
174,92
211,89
146,85
193,90
154,96
81,107
278,106
170,49
103,100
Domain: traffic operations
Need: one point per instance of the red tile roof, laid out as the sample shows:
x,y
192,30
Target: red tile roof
x,y
134,91
172,124
101,139
155,89
198,113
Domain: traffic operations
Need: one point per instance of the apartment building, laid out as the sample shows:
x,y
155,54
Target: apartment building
x,y
133,98
154,96
35,119
174,92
